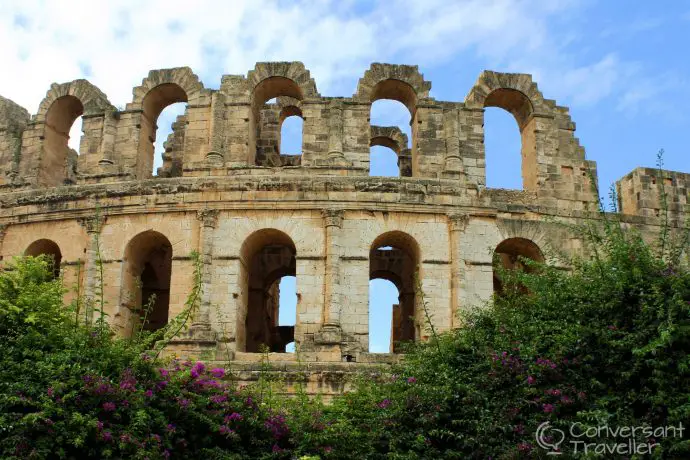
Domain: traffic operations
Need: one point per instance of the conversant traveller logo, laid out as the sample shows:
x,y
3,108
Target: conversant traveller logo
x,y
604,439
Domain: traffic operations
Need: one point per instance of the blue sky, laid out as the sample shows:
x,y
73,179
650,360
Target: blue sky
x,y
621,66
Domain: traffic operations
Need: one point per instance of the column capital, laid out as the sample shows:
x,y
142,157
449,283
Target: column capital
x,y
208,217
458,221
333,217
92,224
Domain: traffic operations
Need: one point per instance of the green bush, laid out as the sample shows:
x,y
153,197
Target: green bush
x,y
70,391
604,344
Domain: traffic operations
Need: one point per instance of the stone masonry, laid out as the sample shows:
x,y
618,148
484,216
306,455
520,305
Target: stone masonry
x,y
255,214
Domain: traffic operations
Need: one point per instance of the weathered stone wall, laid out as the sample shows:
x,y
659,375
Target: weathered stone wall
x,y
254,214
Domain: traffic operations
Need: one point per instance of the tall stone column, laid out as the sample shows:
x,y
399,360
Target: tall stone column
x,y
333,222
209,221
216,129
452,160
331,332
92,291
108,141
335,133
458,223
405,163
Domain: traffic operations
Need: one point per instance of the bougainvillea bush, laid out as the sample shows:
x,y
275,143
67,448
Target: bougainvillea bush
x,y
604,343
68,391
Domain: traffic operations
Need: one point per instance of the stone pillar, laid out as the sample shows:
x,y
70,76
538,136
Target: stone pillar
x,y
216,128
92,290
331,332
452,160
333,221
458,224
409,317
335,133
107,146
405,163
200,340
208,219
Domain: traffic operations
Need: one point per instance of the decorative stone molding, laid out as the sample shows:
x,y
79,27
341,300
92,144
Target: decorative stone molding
x,y
458,222
333,217
92,224
208,217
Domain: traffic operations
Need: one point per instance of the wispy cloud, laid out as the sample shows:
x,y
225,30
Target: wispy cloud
x,y
115,44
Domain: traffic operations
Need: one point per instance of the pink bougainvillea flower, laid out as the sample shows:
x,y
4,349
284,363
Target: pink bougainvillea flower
x,y
109,406
218,372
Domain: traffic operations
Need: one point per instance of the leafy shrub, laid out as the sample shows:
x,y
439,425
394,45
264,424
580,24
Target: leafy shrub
x,y
604,344
70,391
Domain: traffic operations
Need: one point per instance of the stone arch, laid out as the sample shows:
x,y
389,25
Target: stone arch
x,y
528,230
48,248
157,91
290,83
398,263
508,255
183,78
401,83
146,270
92,99
520,96
389,136
393,138
274,79
288,111
489,82
265,257
63,104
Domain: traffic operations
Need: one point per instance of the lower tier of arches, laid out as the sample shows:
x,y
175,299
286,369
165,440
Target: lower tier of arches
x,y
439,264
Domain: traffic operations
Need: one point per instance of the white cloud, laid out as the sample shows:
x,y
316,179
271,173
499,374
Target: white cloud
x,y
115,44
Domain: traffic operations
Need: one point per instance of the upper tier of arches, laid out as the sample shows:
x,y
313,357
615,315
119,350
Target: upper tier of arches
x,y
233,127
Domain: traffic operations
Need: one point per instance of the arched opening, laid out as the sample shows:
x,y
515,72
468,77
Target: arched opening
x,y
384,314
153,104
287,306
508,254
394,257
169,141
266,257
391,114
47,248
147,269
291,126
500,143
267,121
383,162
61,141
502,148
75,134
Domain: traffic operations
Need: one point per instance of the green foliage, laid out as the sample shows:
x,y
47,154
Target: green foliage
x,y
606,343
